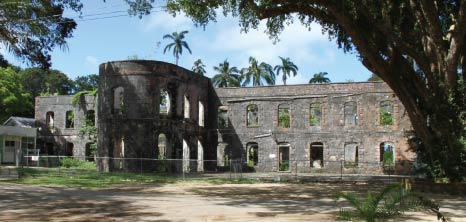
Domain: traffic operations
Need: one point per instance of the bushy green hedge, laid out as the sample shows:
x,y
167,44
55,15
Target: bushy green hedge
x,y
69,162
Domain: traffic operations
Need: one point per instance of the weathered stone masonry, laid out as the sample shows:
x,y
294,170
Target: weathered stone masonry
x,y
133,127
275,128
55,137
333,133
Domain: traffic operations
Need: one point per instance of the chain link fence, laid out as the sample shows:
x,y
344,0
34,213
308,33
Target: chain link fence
x,y
295,170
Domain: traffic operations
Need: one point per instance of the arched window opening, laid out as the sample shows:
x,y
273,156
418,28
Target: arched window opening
x,y
69,120
284,118
165,105
200,156
186,107
315,114
90,151
284,157
252,115
201,114
162,146
387,153
90,118
351,114
222,119
386,113
351,154
317,155
253,154
69,149
49,119
118,100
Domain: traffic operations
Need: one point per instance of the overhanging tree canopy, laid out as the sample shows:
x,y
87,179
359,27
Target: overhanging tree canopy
x,y
416,47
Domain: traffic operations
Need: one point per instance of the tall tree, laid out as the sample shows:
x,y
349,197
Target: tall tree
x,y
14,100
86,83
286,68
374,78
258,73
226,76
417,47
177,44
199,67
319,78
37,82
30,29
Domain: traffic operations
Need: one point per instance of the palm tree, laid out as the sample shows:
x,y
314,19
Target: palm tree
x,y
177,44
320,78
258,72
226,76
287,67
198,67
391,201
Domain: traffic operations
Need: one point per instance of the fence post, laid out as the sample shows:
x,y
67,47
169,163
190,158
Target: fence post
x,y
296,169
230,167
140,165
341,169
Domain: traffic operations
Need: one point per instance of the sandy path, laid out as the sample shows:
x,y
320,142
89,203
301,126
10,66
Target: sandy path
x,y
189,202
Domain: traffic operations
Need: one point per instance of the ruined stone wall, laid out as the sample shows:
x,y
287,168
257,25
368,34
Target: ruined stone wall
x,y
53,139
129,126
367,134
130,123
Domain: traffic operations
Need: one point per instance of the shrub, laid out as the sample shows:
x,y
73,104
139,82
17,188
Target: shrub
x,y
392,200
69,162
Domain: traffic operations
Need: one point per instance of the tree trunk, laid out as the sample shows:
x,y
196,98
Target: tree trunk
x,y
435,121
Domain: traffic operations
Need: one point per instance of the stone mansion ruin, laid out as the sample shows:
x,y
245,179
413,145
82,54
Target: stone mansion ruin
x,y
156,110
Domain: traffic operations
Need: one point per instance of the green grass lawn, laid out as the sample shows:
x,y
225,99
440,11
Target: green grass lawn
x,y
92,179
85,178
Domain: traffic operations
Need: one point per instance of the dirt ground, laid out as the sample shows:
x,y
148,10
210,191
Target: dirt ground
x,y
194,201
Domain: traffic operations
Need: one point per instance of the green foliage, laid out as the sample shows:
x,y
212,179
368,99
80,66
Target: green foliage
x,y
386,118
14,100
315,114
198,67
374,78
286,68
70,162
388,158
69,119
88,130
284,118
88,83
226,76
284,166
319,78
31,29
258,73
391,201
177,43
79,97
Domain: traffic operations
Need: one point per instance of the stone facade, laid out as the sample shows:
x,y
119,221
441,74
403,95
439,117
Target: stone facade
x,y
131,120
306,128
59,135
332,132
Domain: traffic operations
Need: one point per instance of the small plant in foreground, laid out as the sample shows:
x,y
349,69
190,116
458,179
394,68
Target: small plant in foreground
x,y
391,201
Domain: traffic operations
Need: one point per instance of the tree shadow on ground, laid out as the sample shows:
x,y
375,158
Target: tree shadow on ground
x,y
309,199
32,203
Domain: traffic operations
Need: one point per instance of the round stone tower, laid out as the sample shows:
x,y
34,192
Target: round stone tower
x,y
150,110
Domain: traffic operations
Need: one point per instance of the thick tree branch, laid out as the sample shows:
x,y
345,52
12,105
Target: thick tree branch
x,y
429,45
385,30
456,46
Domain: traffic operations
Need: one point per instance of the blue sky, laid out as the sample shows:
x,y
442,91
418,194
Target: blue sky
x,y
102,40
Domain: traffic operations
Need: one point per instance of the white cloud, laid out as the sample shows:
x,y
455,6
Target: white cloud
x,y
165,21
297,42
91,62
